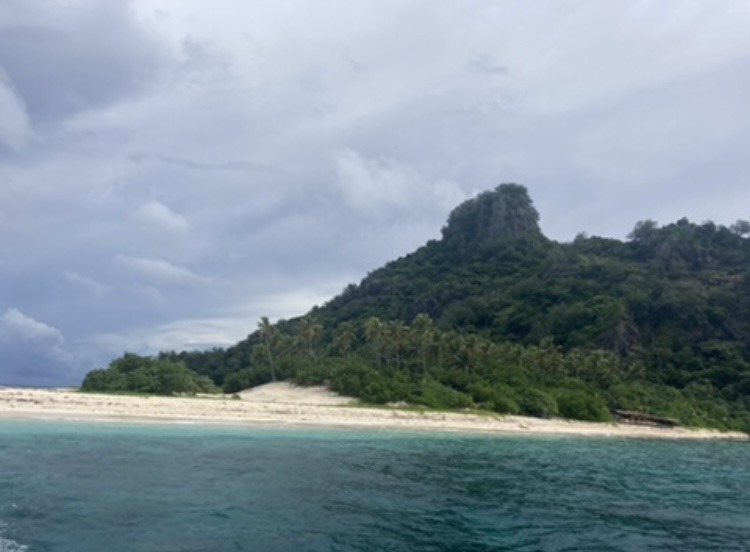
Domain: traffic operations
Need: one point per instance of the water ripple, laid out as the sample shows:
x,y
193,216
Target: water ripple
x,y
80,488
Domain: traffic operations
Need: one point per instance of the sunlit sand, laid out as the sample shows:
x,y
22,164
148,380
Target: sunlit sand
x,y
285,404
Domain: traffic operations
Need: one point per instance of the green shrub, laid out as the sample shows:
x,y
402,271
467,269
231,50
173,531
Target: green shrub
x,y
582,405
437,395
103,381
506,405
499,397
135,374
355,379
244,379
539,404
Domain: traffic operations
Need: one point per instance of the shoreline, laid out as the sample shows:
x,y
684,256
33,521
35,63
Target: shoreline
x,y
285,405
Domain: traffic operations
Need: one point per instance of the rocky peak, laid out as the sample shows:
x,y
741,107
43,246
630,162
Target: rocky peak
x,y
505,213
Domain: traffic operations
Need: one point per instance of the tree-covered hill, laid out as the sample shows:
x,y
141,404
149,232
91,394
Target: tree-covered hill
x,y
496,315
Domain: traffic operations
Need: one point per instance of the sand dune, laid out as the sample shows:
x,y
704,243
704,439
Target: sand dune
x,y
284,393
285,404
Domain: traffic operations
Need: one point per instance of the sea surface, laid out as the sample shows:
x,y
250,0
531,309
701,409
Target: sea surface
x,y
109,487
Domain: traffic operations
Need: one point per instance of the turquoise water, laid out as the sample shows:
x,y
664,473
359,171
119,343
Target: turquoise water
x,y
112,487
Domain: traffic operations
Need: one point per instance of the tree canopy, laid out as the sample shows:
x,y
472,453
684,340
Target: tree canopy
x,y
136,374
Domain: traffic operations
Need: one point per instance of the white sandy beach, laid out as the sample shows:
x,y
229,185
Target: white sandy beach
x,y
285,404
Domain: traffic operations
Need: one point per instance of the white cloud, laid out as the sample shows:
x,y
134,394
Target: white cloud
x,y
370,185
197,333
227,328
156,213
377,185
159,270
89,284
15,128
16,325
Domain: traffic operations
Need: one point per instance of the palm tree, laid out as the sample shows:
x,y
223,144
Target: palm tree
x,y
269,337
423,331
344,338
468,351
375,334
396,334
310,332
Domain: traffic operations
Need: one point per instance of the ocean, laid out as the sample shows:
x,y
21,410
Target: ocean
x,y
109,487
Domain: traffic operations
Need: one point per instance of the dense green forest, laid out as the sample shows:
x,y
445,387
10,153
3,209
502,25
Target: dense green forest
x,y
496,316
157,376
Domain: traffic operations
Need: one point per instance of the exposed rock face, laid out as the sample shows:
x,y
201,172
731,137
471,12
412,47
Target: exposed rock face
x,y
506,213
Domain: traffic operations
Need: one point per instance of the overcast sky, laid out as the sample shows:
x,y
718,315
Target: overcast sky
x,y
171,170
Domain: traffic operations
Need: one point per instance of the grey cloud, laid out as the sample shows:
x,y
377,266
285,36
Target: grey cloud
x,y
241,166
31,351
484,63
89,284
64,58
191,168
15,128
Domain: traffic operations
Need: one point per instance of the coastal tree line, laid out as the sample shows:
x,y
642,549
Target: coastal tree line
x,y
418,364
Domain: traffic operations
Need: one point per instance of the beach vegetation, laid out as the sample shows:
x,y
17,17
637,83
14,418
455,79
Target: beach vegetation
x,y
145,375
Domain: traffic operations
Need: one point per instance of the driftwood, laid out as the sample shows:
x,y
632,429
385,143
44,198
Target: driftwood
x,y
641,418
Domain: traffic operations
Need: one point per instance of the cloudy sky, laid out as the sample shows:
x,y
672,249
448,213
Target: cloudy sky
x,y
171,170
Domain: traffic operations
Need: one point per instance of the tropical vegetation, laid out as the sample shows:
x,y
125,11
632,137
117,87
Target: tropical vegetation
x,y
496,316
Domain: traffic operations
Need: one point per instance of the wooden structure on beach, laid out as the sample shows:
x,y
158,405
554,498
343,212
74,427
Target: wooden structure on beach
x,y
641,418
